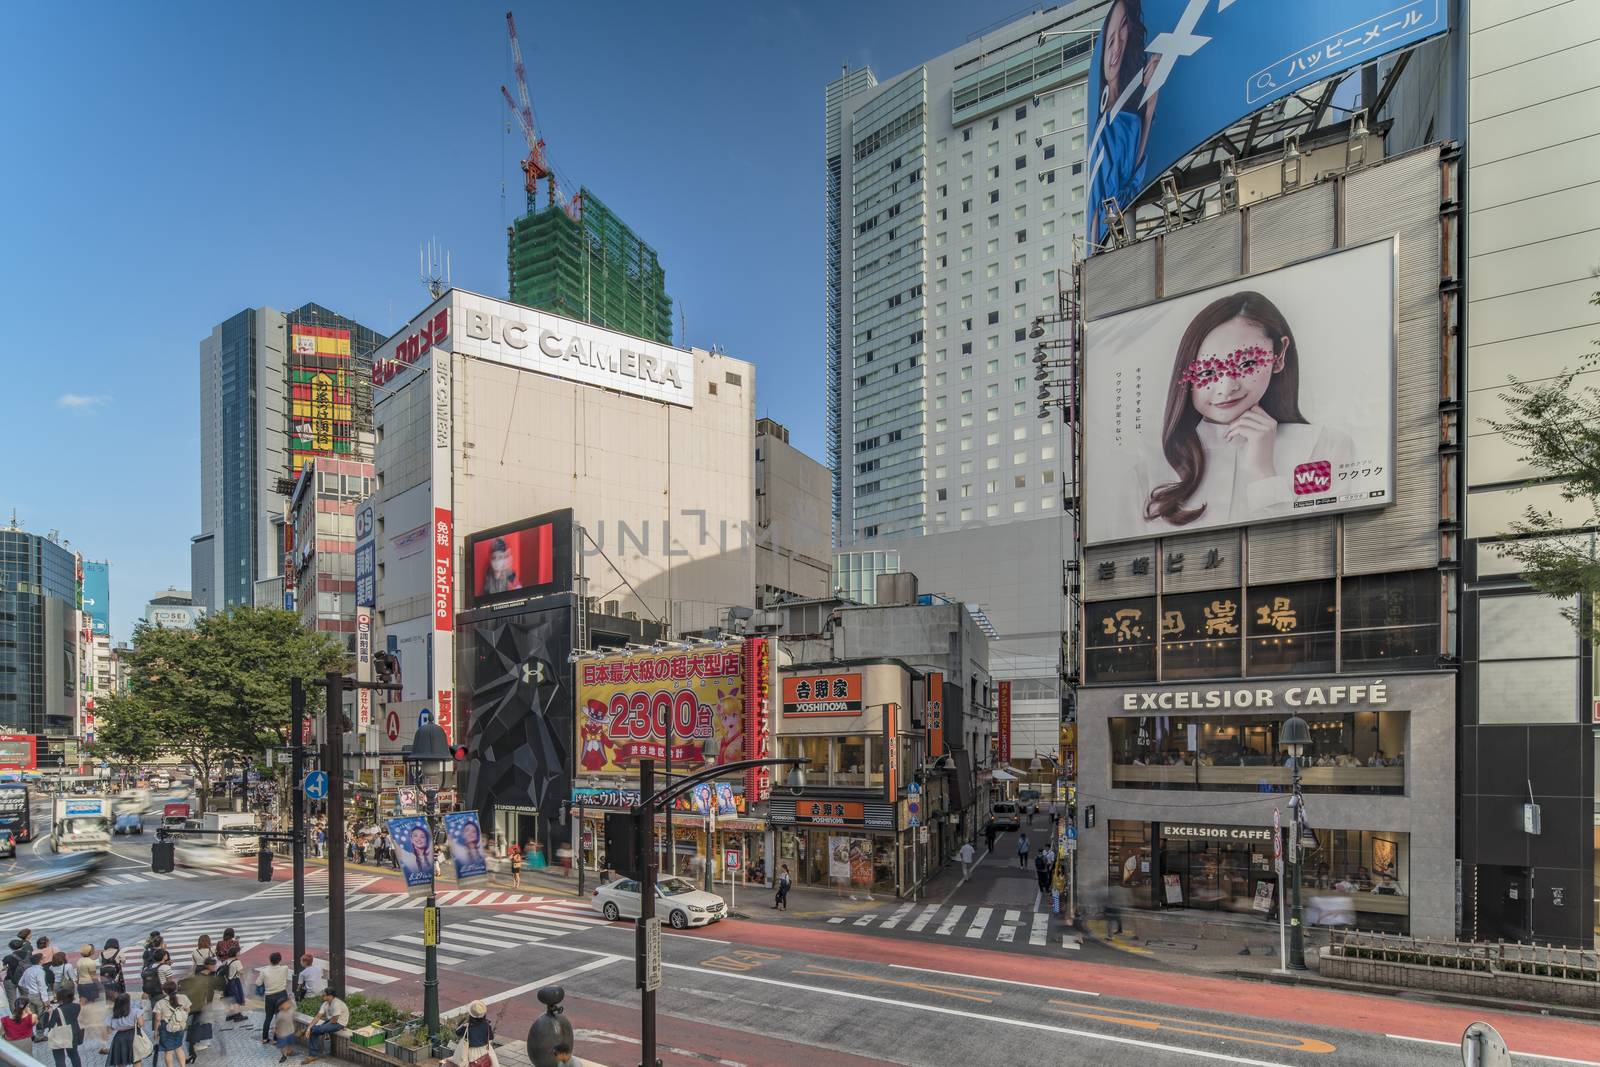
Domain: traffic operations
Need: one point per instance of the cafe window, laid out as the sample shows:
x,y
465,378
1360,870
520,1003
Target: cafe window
x,y
1290,629
852,761
1354,752
1391,621
1119,641
1200,635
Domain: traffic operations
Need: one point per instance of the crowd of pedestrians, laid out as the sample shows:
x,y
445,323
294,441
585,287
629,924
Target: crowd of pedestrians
x,y
132,1013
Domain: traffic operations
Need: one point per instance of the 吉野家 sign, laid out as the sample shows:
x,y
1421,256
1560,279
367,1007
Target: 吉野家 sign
x,y
830,812
1266,398
822,696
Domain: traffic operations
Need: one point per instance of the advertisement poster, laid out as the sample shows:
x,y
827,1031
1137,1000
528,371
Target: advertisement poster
x,y
1167,75
413,845
97,596
628,705
1002,725
726,805
321,394
839,859
1264,898
1270,397
529,558
466,845
1172,885
860,861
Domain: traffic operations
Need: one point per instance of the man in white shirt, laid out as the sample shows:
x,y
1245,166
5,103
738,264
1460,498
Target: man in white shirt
x,y
34,985
332,1017
312,979
965,855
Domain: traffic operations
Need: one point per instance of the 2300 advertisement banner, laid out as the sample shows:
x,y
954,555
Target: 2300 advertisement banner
x,y
631,707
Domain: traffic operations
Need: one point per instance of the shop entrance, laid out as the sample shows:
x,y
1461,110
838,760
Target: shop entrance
x,y
1217,875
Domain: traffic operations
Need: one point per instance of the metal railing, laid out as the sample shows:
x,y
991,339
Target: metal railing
x,y
1484,957
10,1057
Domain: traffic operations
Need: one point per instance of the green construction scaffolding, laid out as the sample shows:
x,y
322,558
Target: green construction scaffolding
x,y
594,270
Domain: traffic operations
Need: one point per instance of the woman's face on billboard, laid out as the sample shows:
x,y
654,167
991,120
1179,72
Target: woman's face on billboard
x,y
419,839
1231,374
1116,42
500,560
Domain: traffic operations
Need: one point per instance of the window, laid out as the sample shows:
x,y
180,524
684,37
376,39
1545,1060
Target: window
x,y
991,511
1046,503
966,514
1022,237
991,487
966,466
966,394
992,149
966,159
994,317
1049,151
966,419
1021,113
1020,186
992,221
1391,621
966,444
966,207
939,472
966,134
1020,481
1020,285
1018,459
1020,163
994,196
991,438
966,374
939,495
1048,477
966,183
1018,507
1290,629
992,173
1119,641
1019,212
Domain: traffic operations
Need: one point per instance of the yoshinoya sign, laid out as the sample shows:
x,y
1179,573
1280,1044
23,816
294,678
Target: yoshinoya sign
x,y
1200,832
1364,694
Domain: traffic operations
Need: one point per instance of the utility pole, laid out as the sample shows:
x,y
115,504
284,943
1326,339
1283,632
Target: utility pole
x,y
333,763
648,923
297,807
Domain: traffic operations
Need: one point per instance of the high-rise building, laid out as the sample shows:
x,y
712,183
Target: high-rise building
x,y
276,388
39,621
320,563
592,268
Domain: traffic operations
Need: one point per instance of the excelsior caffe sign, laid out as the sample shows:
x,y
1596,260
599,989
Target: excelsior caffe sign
x,y
1294,696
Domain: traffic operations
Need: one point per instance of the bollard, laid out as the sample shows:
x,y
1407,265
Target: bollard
x,y
549,1029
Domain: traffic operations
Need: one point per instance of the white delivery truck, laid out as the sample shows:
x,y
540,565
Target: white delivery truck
x,y
81,824
244,822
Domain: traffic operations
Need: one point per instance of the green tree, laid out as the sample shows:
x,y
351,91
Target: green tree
x,y
217,692
1556,424
124,735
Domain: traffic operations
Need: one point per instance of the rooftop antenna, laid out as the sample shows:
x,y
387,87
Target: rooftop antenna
x,y
430,260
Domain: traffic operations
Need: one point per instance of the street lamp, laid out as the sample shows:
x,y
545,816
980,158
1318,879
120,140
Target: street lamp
x,y
430,754
1294,736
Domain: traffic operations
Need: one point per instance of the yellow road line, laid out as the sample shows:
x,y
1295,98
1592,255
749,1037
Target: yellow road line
x,y
1143,1021
981,996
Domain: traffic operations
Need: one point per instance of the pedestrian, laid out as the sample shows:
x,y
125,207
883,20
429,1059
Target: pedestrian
x,y
784,882
202,952
514,857
989,832
312,979
63,1034
283,1029
565,1057
152,945
16,962
966,857
170,1020
475,1039
1022,848
34,984
18,1026
233,985
1041,867
91,1001
331,1018
200,988
227,945
112,978
1033,809
272,984
127,1026
62,972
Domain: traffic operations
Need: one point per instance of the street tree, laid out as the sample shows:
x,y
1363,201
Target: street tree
x,y
219,692
1556,424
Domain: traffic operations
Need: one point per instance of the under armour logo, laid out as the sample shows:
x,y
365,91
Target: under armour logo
x,y
532,673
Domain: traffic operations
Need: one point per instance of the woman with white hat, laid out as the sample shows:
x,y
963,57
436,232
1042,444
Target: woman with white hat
x,y
475,1044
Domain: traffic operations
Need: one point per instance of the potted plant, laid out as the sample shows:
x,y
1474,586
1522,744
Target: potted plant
x,y
410,1044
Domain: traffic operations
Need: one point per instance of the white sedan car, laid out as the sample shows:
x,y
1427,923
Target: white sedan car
x,y
677,901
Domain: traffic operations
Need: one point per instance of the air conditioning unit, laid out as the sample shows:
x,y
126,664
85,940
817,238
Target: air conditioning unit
x,y
613,608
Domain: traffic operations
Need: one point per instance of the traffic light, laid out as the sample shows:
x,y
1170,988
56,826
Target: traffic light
x,y
622,843
458,752
161,861
264,865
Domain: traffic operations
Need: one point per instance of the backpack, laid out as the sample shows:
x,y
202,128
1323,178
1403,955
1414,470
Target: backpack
x,y
177,1020
150,980
1040,863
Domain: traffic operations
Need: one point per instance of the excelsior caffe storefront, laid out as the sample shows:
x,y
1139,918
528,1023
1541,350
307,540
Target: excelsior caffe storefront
x,y
1178,785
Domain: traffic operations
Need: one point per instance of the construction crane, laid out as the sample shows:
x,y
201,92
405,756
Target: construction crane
x,y
536,165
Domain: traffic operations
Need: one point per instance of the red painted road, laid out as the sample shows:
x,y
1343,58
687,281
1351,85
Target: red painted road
x,y
1263,1000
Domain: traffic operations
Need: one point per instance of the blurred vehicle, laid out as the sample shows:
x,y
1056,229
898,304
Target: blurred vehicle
x,y
133,800
205,857
8,845
16,815
1006,816
684,904
81,824
129,822
174,816
243,823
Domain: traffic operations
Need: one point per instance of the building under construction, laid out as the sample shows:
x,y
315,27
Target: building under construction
x,y
593,268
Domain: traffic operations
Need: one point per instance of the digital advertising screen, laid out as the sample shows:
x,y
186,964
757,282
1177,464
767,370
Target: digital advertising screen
x,y
522,559
1167,75
1267,398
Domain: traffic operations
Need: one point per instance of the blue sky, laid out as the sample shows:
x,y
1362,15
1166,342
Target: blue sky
x,y
172,163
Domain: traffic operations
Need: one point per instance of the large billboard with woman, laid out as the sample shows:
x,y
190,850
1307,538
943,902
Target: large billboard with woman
x,y
1270,397
1168,74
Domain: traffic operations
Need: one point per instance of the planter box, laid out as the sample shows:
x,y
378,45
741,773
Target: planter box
x,y
369,1036
406,1053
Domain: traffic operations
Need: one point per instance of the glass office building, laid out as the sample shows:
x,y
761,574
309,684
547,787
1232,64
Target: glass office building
x,y
38,640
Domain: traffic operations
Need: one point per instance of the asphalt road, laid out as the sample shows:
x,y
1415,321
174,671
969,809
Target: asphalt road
x,y
760,992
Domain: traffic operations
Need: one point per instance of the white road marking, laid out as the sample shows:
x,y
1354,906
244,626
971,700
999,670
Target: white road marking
x,y
369,976
865,920
950,920
894,920
1041,929
1006,934
1002,981
979,922
507,994
837,919
416,939
414,953
1525,1055
922,920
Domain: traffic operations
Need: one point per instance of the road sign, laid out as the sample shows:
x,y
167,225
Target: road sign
x,y
650,933
424,717
391,725
316,785
1277,841
430,927
1072,832
732,860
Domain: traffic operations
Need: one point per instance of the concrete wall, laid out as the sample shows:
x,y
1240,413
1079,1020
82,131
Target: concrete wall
x,y
791,519
1427,810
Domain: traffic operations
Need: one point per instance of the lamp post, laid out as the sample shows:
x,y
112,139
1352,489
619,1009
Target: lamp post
x,y
647,929
1294,736
430,752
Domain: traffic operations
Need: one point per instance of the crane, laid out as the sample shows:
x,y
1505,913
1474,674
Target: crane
x,y
536,165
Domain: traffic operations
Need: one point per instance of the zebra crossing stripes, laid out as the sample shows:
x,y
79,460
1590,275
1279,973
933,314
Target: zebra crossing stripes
x,y
980,921
894,920
1007,926
1041,928
950,920
488,931
922,920
451,898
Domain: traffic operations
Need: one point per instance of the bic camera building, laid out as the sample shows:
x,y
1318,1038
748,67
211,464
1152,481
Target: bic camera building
x,y
530,468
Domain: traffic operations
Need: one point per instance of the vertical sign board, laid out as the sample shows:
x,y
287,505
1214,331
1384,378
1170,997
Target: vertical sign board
x,y
364,665
934,713
443,657
1002,728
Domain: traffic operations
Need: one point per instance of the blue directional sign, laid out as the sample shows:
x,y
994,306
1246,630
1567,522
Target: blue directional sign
x,y
316,785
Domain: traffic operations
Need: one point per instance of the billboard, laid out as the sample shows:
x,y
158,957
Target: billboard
x,y
18,752
321,394
1269,397
628,705
817,696
522,559
1168,74
97,596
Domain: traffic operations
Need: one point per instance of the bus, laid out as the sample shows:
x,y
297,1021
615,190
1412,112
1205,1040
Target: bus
x,y
15,813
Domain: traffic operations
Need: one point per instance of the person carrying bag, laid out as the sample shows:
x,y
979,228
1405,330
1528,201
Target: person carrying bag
x,y
475,1040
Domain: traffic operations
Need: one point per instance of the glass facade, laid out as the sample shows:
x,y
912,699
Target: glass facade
x,y
855,574
239,436
37,639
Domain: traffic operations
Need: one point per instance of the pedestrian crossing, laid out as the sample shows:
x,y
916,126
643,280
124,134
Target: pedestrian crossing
x,y
180,925
133,877
482,935
454,898
1005,925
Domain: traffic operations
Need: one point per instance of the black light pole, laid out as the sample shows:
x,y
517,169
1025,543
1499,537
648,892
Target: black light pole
x,y
297,809
333,763
430,751
1294,738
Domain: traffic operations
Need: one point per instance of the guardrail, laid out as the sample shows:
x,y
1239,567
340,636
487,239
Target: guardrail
x,y
10,1057
1483,957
